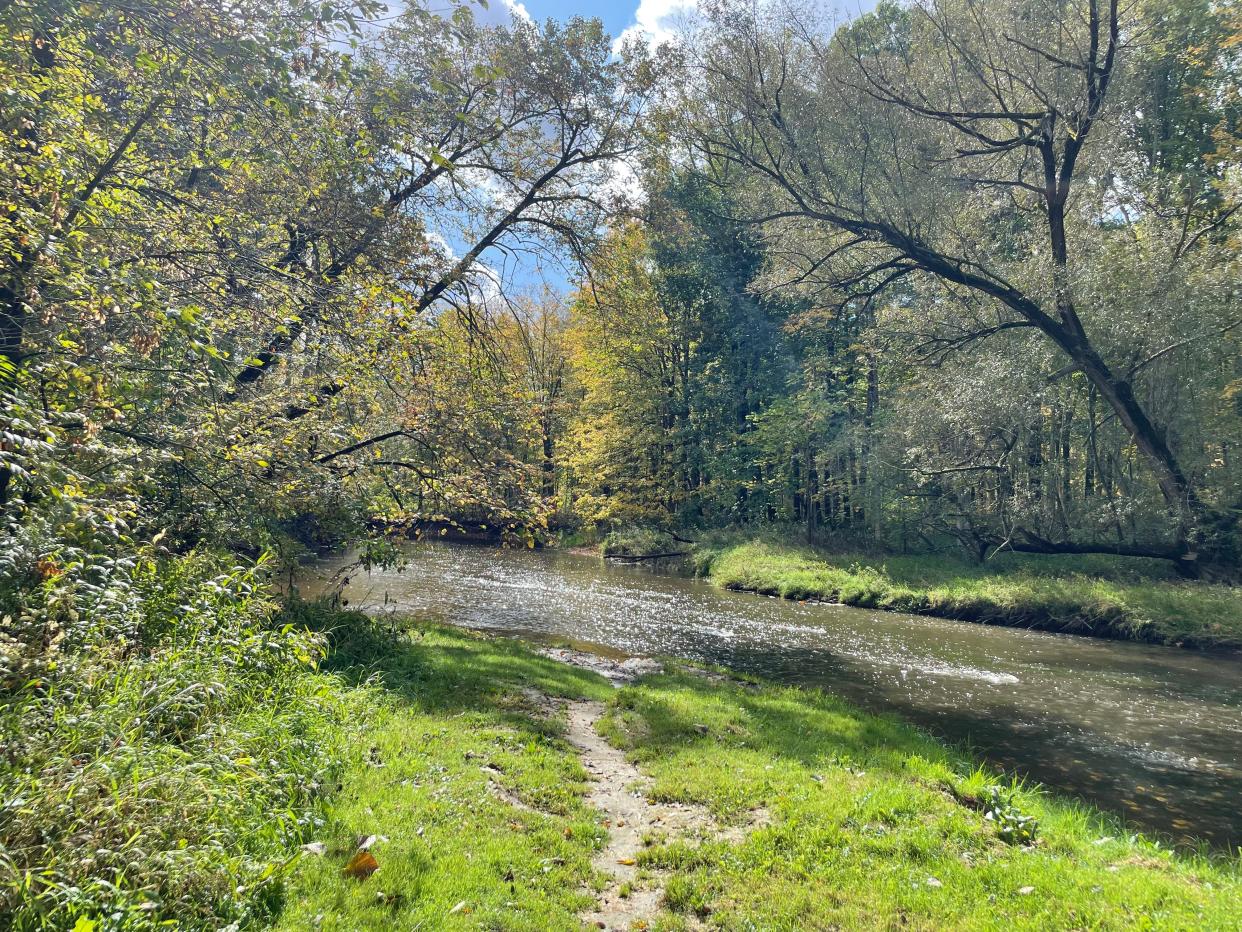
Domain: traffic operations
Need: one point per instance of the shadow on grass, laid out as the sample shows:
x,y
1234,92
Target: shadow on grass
x,y
438,670
812,727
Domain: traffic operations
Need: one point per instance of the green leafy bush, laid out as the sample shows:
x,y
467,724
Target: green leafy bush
x,y
166,741
639,542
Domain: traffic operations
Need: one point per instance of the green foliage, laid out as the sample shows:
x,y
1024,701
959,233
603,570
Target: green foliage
x,y
1012,824
670,357
223,263
231,321
954,354
161,763
637,542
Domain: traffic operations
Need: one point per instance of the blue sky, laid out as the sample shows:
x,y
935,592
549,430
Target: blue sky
x,y
652,20
650,17
616,14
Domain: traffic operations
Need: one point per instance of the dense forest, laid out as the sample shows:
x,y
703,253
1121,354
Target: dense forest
x,y
907,293
260,269
277,275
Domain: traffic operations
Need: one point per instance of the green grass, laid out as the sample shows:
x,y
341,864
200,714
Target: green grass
x,y
865,812
175,785
875,826
1107,597
442,713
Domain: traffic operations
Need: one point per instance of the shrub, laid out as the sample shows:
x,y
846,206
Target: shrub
x,y
638,542
165,743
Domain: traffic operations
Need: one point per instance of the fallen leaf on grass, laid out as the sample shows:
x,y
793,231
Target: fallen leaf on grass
x,y
1026,891
460,908
361,866
626,861
315,847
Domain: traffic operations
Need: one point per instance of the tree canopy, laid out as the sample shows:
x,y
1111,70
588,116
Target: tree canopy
x,y
947,274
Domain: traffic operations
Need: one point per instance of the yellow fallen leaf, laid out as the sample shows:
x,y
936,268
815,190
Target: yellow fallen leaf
x,y
361,866
626,861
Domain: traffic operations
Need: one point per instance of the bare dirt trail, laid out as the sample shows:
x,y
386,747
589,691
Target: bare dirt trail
x,y
617,791
632,898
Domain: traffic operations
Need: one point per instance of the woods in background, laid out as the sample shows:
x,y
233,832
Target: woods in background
x,y
948,274
979,270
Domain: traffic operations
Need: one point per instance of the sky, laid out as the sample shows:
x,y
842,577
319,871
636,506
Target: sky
x,y
617,15
653,21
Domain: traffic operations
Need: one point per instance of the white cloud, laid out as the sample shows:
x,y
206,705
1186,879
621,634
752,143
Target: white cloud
x,y
517,10
653,21
496,13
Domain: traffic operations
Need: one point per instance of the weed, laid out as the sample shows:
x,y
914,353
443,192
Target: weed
x,y
1012,824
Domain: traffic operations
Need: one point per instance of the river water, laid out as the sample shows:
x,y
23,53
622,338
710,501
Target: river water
x,y
1152,733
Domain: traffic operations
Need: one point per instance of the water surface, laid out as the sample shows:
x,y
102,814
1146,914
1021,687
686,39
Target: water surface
x,y
1153,733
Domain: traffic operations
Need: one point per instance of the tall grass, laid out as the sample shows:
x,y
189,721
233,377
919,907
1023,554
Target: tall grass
x,y
160,768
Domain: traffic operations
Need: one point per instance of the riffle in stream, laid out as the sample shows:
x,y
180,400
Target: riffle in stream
x,y
1152,733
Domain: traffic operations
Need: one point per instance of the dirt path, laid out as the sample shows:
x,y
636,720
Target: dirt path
x,y
618,791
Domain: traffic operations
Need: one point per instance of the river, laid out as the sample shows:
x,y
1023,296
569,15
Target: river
x,y
1151,733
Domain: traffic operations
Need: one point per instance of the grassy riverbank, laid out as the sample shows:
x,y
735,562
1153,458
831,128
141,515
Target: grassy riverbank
x,y
460,771
1119,598
218,777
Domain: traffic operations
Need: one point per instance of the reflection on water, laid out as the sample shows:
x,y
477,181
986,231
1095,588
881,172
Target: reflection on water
x,y
1152,733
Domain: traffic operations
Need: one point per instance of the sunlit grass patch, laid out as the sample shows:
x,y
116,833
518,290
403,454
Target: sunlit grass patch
x,y
876,825
1111,597
473,798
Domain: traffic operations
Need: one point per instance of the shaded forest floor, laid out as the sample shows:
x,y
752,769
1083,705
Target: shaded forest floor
x,y
488,786
1112,597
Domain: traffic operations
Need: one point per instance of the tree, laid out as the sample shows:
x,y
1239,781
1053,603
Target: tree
x,y
228,223
120,127
965,144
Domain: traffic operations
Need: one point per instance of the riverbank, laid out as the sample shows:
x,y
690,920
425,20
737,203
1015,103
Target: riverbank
x,y
1096,596
423,776
477,794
